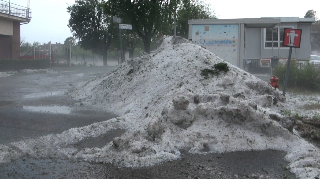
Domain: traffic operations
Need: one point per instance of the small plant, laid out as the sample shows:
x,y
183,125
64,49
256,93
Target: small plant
x,y
300,77
221,67
217,68
130,71
206,72
286,113
297,116
316,117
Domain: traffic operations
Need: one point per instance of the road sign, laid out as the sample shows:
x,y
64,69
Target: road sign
x,y
125,26
292,37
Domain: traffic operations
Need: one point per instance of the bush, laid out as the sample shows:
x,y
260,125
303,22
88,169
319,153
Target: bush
x,y
307,77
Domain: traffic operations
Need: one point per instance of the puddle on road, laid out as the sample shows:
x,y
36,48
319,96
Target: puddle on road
x,y
6,103
44,94
49,109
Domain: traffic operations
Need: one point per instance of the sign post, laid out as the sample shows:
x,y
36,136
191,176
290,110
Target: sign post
x,y
117,20
291,38
123,26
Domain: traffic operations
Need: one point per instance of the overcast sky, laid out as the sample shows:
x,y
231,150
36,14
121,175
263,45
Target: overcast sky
x,y
50,18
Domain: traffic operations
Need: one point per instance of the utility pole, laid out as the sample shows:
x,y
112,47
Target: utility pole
x,y
123,26
50,53
9,8
121,54
70,55
28,8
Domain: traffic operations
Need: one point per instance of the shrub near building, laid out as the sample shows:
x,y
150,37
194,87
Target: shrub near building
x,y
300,78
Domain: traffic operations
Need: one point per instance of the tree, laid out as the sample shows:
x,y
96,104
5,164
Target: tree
x,y
193,9
157,16
315,37
310,14
146,17
91,26
70,40
25,47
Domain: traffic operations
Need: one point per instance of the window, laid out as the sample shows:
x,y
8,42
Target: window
x,y
273,36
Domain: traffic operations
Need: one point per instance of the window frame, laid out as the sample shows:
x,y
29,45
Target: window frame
x,y
279,41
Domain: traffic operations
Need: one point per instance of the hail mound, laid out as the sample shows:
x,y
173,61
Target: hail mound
x,y
168,100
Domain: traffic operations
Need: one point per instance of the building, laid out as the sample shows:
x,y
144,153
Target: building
x,y
251,41
11,17
315,38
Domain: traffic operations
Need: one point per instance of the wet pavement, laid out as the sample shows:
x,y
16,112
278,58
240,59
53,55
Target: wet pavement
x,y
37,104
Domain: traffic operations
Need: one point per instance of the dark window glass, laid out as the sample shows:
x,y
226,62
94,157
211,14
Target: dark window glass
x,y
269,44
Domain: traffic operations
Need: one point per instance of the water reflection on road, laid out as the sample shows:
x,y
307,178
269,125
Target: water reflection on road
x,y
49,109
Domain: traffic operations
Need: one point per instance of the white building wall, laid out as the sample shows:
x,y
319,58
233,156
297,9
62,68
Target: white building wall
x,y
6,27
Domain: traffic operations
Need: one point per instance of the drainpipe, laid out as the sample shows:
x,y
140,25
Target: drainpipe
x,y
50,53
272,52
28,8
70,55
279,27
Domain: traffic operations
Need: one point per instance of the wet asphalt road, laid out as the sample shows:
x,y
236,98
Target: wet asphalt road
x,y
24,95
36,104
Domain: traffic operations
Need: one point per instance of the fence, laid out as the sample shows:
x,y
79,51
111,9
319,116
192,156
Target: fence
x,y
14,10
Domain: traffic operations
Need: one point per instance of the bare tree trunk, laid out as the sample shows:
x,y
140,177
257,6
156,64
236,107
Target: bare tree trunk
x,y
147,43
105,56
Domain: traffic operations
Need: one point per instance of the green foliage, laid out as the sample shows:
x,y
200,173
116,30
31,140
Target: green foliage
x,y
306,78
316,117
70,40
91,21
205,72
310,13
80,52
221,67
286,113
149,18
25,47
91,26
146,17
130,72
290,114
217,68
193,9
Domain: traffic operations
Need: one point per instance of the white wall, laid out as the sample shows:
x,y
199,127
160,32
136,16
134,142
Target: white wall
x,y
6,27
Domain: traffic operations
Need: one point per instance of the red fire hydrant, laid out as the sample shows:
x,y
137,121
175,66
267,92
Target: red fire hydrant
x,y
273,82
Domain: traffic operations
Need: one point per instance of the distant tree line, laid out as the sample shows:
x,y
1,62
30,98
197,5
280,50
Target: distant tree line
x,y
91,21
